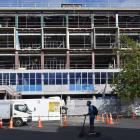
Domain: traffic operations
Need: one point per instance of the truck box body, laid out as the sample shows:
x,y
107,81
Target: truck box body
x,y
5,110
46,109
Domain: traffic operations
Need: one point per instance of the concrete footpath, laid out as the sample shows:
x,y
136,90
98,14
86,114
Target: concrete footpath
x,y
125,129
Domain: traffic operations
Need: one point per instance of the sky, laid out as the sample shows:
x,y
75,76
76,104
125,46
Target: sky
x,y
119,3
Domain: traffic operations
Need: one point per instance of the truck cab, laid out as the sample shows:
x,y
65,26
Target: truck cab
x,y
17,110
21,114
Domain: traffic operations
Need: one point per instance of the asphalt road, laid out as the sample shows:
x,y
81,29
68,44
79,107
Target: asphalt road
x,y
124,130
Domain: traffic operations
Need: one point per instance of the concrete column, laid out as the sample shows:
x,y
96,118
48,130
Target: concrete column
x,y
42,60
118,59
42,38
92,39
93,60
67,39
92,20
42,20
67,21
68,60
16,20
16,40
16,60
117,20
68,47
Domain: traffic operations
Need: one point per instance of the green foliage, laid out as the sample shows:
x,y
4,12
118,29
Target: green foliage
x,y
127,82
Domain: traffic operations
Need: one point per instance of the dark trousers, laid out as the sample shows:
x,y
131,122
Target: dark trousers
x,y
91,124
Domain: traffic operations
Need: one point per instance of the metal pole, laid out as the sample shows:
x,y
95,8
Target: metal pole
x,y
61,120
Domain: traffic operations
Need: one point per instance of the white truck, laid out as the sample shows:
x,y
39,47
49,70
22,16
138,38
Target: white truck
x,y
46,109
19,112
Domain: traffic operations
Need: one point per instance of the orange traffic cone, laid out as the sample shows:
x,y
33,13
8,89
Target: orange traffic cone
x,y
103,119
107,119
0,122
111,120
39,123
11,123
98,117
133,115
65,124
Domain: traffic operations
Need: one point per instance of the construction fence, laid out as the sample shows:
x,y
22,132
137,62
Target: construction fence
x,y
104,105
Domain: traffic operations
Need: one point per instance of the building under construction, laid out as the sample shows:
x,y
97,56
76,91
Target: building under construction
x,y
68,49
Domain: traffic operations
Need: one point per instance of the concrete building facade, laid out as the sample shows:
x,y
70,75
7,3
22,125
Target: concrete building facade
x,y
69,50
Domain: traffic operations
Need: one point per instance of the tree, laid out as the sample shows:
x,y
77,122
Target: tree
x,y
127,83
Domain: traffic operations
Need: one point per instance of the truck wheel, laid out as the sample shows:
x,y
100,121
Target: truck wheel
x,y
17,122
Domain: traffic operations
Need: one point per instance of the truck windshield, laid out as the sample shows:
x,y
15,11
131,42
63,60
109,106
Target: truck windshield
x,y
21,108
27,108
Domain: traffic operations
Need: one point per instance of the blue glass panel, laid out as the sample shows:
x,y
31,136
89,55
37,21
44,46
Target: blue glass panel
x,y
103,81
103,78
58,75
78,78
26,75
58,78
84,75
97,81
6,78
19,76
65,78
25,88
12,79
0,79
97,75
72,75
38,78
78,75
52,75
110,77
103,75
78,87
38,87
65,81
90,81
97,78
84,86
32,87
84,81
51,78
32,75
72,81
25,78
46,81
32,78
19,88
90,75
72,87
58,81
88,87
65,75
